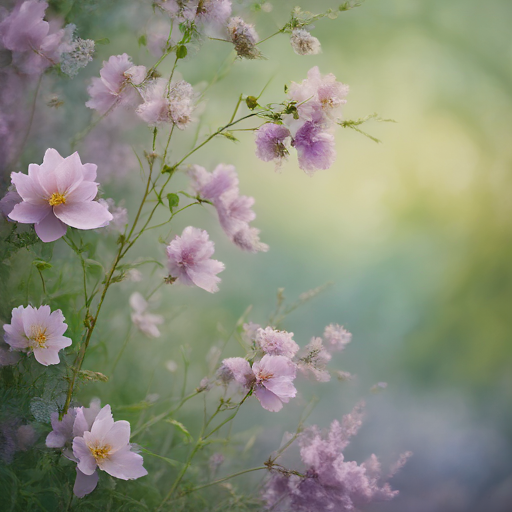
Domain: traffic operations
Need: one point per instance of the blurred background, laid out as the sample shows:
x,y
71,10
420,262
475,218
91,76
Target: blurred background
x,y
415,234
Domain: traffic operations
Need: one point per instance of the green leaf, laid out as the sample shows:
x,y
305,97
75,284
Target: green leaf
x,y
181,52
168,168
181,428
174,201
94,267
229,136
143,40
41,264
91,376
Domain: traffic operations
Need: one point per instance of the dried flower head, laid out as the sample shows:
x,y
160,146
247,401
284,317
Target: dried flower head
x,y
244,37
303,43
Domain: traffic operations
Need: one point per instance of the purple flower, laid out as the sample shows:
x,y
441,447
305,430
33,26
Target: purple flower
x,y
319,98
315,148
62,432
115,87
276,343
244,37
330,482
167,104
234,211
336,337
26,34
58,193
189,259
303,43
271,143
314,359
39,331
105,446
145,322
237,369
274,381
9,201
214,11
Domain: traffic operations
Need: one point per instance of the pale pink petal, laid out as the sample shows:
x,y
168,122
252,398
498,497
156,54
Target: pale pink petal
x,y
14,332
69,174
51,159
50,228
87,463
102,424
89,171
268,400
28,187
55,440
90,215
85,191
58,342
28,213
46,356
56,325
124,464
35,316
118,436
84,484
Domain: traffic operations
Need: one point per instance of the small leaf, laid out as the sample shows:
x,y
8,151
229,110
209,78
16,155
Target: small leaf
x,y
168,168
180,427
229,136
94,267
41,264
143,40
181,52
104,40
174,201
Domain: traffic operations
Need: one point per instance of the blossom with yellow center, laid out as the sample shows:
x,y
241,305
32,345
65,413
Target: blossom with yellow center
x,y
100,452
57,199
39,337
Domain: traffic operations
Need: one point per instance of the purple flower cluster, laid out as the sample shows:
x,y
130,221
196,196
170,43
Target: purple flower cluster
x,y
318,101
234,211
329,482
91,438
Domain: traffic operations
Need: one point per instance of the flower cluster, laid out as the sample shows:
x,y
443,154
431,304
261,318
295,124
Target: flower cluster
x,y
317,102
91,438
220,187
329,482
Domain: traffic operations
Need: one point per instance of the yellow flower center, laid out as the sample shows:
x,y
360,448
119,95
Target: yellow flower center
x,y
100,452
39,337
57,199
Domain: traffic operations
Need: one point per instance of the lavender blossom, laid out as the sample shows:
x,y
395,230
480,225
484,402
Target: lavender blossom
x,y
105,446
115,85
167,104
315,148
336,337
244,37
303,43
39,331
62,432
276,343
237,369
189,260
8,202
146,322
26,34
58,193
271,143
330,482
314,359
234,211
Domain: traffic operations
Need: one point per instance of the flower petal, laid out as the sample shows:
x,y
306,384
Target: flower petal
x,y
87,463
268,400
69,174
28,187
118,436
28,213
84,484
85,191
46,356
50,228
124,464
89,215
89,171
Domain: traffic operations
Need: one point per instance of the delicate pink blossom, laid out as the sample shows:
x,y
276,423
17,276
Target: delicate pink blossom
x,y
214,11
249,332
37,330
336,337
274,381
119,215
237,369
144,321
271,142
313,359
189,259
276,343
234,211
167,104
303,43
315,148
115,85
105,446
26,34
58,193
8,202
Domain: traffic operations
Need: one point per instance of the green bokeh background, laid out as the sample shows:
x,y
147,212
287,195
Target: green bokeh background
x,y
415,233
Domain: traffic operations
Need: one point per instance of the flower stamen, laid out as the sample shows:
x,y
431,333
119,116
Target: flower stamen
x,y
100,452
57,199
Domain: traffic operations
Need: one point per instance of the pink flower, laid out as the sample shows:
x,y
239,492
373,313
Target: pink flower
x,y
314,359
276,343
315,147
39,331
58,193
163,104
271,143
274,381
337,337
105,446
214,11
234,211
237,369
249,332
144,321
319,98
26,34
189,259
115,87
